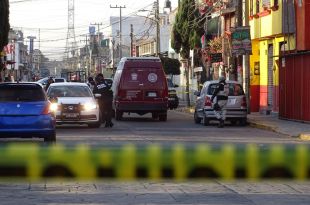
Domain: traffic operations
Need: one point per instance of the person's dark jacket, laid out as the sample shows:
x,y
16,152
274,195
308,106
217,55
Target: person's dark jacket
x,y
104,89
217,92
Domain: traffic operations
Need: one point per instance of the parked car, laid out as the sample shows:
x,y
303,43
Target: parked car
x,y
25,112
173,99
74,103
140,86
236,105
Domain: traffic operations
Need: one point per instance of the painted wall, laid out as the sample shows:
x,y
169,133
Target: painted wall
x,y
266,29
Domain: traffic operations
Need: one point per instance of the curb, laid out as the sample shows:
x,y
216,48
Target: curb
x,y
263,127
304,136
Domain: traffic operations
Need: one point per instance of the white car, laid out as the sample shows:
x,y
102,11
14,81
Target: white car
x,y
236,106
74,103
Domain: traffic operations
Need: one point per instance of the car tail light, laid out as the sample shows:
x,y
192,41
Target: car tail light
x,y
47,109
208,101
244,103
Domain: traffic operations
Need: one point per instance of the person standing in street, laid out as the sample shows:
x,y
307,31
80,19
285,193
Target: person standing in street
x,y
220,96
105,102
49,82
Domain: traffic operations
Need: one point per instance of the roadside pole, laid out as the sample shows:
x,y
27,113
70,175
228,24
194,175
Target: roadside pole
x,y
246,62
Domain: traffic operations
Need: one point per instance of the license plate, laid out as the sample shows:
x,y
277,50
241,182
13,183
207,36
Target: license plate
x,y
231,101
170,98
151,94
71,115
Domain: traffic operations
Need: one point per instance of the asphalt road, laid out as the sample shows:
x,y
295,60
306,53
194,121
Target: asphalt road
x,y
142,130
180,128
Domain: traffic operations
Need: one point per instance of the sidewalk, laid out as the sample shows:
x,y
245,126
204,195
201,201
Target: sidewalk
x,y
272,123
286,127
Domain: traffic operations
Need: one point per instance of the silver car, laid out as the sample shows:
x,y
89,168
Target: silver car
x,y
236,105
74,103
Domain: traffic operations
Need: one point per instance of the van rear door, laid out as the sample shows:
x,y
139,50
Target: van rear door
x,y
144,84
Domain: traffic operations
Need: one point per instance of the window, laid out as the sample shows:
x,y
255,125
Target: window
x,y
234,89
257,6
69,91
251,7
21,94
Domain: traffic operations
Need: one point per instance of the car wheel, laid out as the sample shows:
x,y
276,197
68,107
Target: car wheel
x,y
163,117
155,116
51,138
118,115
94,125
206,121
243,122
196,118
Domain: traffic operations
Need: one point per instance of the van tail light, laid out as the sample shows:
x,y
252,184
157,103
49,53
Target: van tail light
x,y
244,103
47,109
208,101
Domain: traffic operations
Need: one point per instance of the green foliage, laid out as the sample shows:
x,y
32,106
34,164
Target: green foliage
x,y
4,23
187,29
171,66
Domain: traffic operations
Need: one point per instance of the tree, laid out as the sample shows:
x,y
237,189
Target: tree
x,y
186,33
171,66
4,23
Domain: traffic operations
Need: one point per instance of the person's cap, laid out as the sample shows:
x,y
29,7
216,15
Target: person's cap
x,y
100,75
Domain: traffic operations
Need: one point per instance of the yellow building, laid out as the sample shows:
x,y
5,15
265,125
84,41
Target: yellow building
x,y
270,37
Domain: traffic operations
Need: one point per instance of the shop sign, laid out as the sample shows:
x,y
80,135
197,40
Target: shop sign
x,y
241,41
216,57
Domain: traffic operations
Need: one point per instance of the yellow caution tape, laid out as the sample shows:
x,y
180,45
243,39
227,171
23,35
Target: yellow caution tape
x,y
154,162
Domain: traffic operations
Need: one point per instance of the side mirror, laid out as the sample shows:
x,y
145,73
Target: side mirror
x,y
176,86
97,95
197,93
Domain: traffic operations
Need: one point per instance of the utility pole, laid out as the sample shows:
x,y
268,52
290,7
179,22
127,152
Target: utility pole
x,y
246,62
99,54
120,28
131,40
113,55
87,49
157,29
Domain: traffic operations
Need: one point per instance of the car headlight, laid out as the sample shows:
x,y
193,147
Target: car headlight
x,y
53,107
90,106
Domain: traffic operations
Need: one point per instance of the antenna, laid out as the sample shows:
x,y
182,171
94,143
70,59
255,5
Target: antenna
x,y
71,52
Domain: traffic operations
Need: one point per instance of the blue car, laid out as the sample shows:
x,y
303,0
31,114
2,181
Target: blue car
x,y
25,112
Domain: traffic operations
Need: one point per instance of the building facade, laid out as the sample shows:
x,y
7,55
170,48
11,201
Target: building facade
x,y
272,32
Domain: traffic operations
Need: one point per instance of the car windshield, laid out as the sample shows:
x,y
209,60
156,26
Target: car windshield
x,y
21,93
69,91
234,89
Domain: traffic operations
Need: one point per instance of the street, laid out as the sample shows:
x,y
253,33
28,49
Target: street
x,y
180,128
142,130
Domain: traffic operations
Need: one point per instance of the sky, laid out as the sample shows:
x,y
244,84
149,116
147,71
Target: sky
x,y
47,20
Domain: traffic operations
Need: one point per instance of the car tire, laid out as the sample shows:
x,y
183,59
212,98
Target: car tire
x,y
94,125
163,117
206,121
51,138
118,115
196,118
